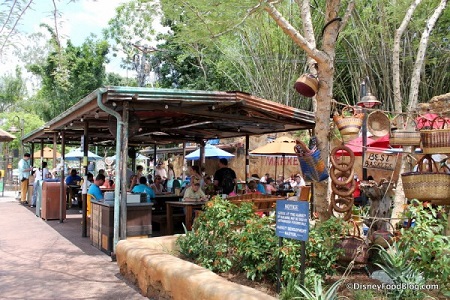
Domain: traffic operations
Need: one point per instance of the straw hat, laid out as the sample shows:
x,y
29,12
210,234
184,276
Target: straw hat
x,y
378,123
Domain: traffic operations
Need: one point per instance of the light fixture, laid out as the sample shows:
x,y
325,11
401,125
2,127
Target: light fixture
x,y
71,124
82,119
13,129
213,107
114,104
239,128
96,115
166,107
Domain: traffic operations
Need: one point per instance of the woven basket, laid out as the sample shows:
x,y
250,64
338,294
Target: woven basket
x,y
427,186
311,163
348,124
355,248
378,123
436,140
401,136
307,85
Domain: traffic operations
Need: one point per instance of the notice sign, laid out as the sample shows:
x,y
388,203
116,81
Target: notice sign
x,y
292,219
380,161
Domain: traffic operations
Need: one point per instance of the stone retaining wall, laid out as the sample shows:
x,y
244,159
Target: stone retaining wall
x,y
153,266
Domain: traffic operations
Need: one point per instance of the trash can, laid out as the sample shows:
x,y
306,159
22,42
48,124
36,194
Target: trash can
x,y
51,203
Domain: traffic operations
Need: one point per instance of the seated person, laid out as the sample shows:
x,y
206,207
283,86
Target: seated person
x,y
208,188
259,186
194,193
157,186
252,188
142,187
94,189
111,184
73,178
271,187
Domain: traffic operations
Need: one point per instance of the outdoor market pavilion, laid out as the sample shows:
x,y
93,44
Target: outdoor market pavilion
x,y
140,117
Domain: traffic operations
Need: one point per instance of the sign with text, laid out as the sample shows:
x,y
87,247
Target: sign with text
x,y
292,219
383,161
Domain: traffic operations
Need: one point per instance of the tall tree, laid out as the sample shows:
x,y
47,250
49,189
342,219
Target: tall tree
x,y
12,90
69,73
202,22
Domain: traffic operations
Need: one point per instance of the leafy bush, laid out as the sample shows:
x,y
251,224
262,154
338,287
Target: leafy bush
x,y
226,237
425,246
321,253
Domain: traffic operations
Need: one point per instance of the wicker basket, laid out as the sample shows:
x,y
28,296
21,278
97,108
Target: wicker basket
x,y
399,136
436,140
348,124
355,248
307,85
378,123
427,185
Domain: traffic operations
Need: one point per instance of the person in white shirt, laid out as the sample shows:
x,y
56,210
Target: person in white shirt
x,y
298,183
161,171
264,178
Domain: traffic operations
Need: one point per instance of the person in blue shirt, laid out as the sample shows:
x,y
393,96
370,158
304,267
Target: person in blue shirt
x,y
94,189
259,186
73,178
142,187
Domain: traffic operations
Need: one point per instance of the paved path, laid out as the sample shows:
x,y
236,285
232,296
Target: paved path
x,y
50,260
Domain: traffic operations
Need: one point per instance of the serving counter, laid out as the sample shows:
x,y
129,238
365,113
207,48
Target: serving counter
x,y
139,223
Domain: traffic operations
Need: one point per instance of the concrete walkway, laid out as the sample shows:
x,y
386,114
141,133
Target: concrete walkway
x,y
50,260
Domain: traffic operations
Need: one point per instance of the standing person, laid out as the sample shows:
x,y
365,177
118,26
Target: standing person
x,y
94,189
139,172
45,173
161,171
224,177
24,173
37,177
196,177
85,187
171,172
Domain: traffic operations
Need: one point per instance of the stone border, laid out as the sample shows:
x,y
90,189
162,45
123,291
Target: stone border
x,y
152,265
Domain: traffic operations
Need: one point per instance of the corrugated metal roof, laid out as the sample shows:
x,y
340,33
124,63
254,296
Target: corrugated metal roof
x,y
168,115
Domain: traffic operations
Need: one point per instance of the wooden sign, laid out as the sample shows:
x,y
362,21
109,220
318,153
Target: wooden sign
x,y
382,161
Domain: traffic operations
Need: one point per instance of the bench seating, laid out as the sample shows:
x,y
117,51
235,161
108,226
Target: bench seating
x,y
261,203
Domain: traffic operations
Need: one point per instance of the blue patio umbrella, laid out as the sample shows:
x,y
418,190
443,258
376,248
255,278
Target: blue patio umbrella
x,y
78,154
210,152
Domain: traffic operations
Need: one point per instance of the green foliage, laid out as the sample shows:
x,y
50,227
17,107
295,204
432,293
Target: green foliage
x,y
212,242
68,74
396,265
425,246
226,237
321,254
319,292
12,90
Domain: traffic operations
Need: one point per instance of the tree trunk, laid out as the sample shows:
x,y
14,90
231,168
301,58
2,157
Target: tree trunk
x,y
381,197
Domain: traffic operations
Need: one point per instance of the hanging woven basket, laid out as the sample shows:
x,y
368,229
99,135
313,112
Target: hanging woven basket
x,y
307,85
378,123
348,122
